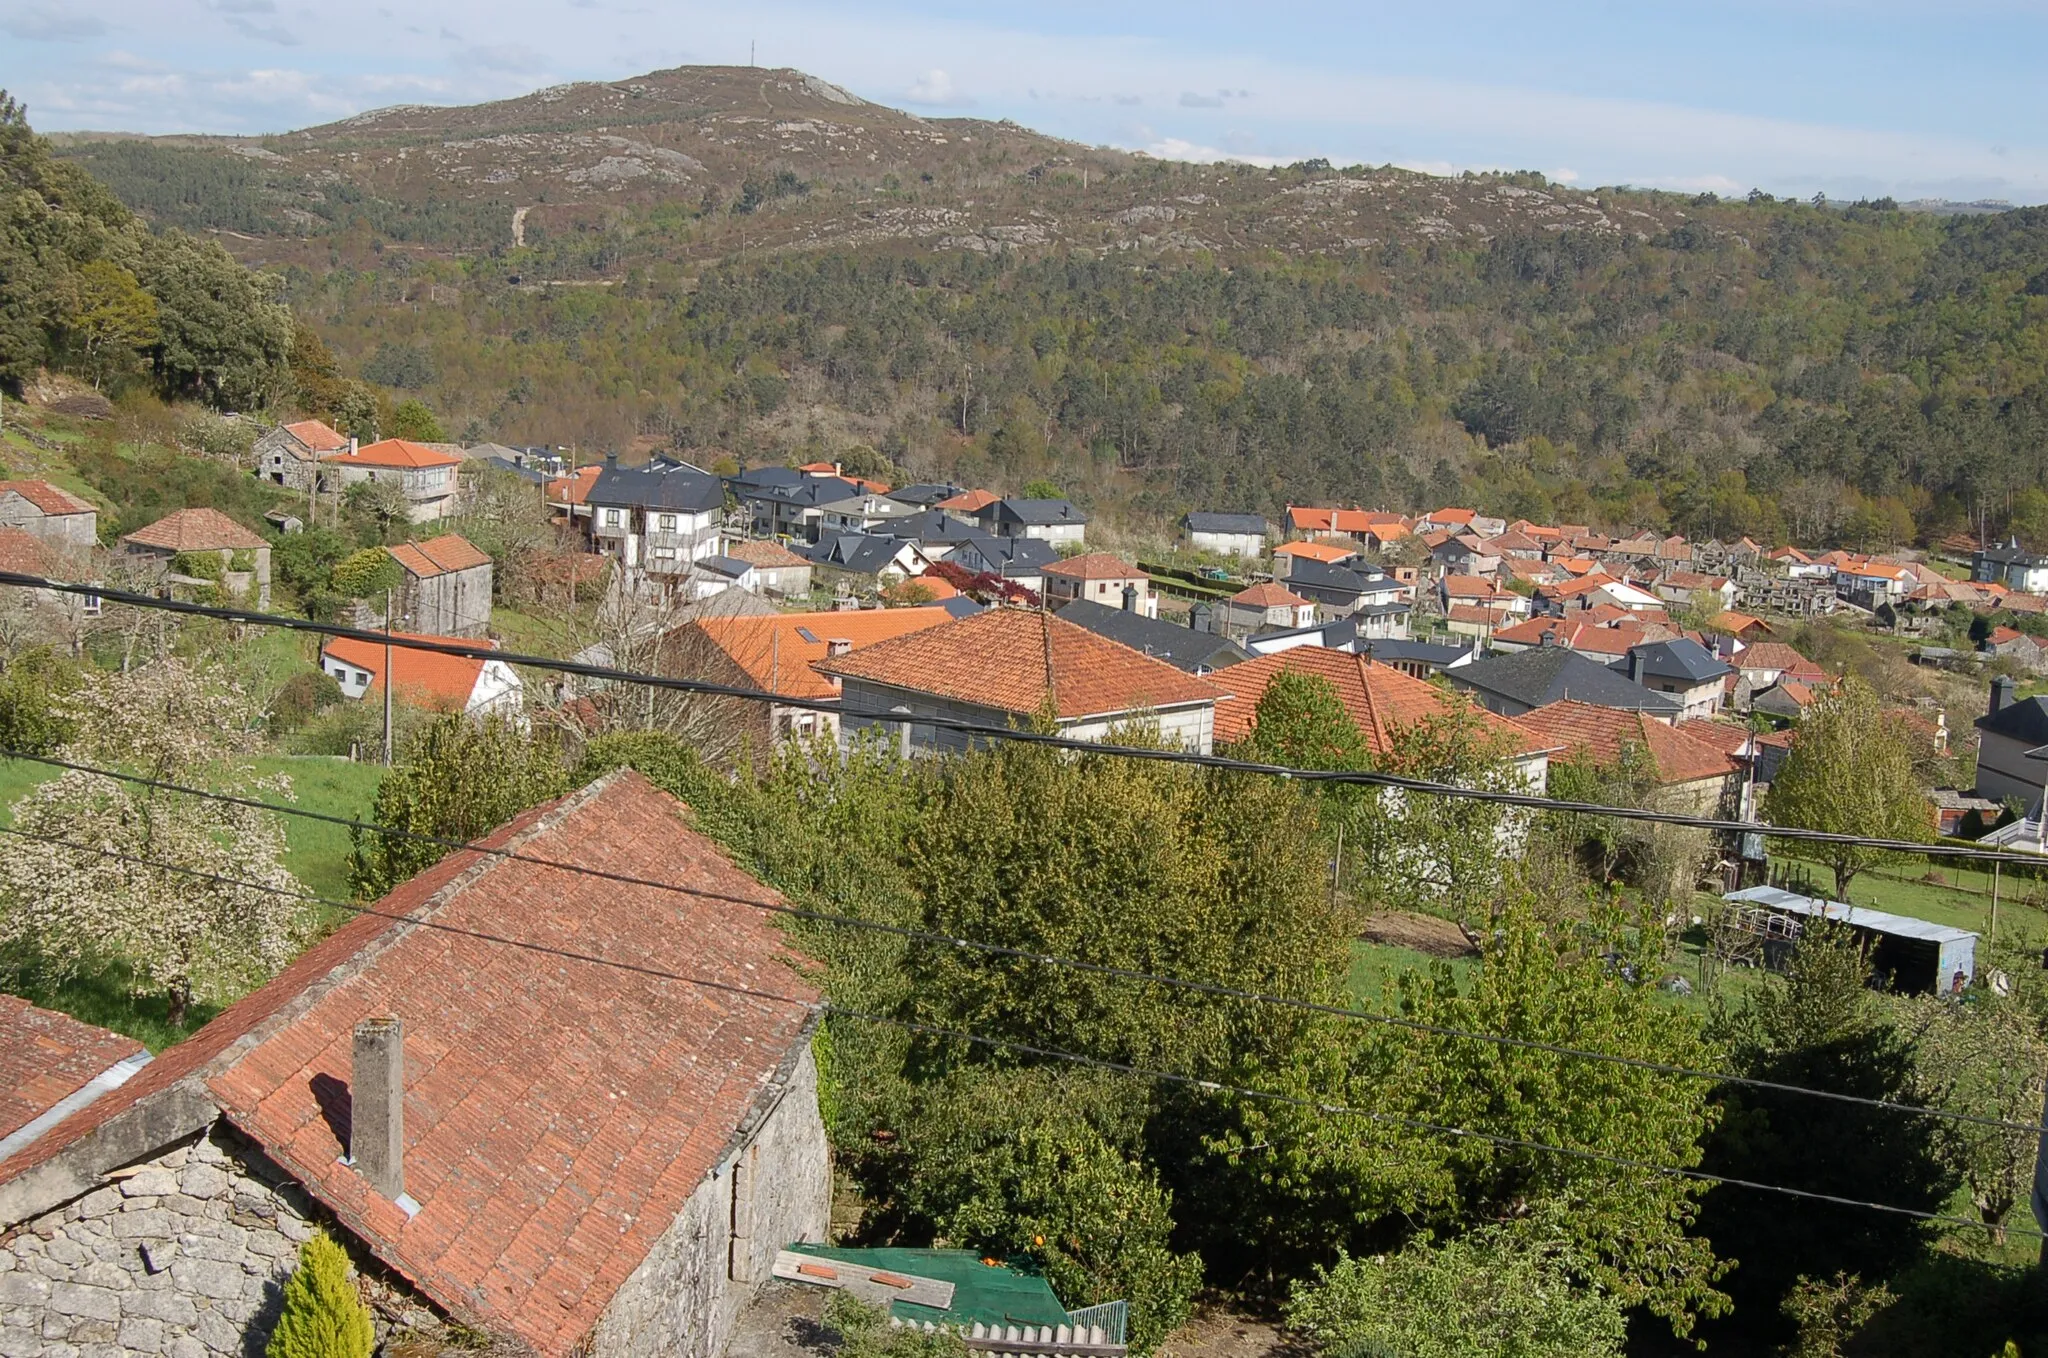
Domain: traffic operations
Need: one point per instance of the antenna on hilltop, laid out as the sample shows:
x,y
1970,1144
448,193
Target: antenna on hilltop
x,y
750,51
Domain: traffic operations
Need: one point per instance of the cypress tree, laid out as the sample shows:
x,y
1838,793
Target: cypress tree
x,y
323,1317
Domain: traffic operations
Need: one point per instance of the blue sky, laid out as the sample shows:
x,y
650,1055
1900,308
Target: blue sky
x,y
1915,98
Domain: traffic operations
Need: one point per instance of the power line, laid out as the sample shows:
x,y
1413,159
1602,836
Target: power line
x,y
1343,777
1211,988
1006,1044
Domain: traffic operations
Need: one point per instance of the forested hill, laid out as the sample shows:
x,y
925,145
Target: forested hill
x,y
754,262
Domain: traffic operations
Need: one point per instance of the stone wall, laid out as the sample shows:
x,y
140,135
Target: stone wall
x,y
185,1257
773,1188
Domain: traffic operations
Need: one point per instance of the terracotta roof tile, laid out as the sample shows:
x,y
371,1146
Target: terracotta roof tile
x,y
559,1113
1096,566
1381,699
196,530
1776,655
998,659
776,652
1328,552
429,678
1474,613
439,556
48,498
1602,732
395,453
1267,594
968,501
772,555
47,1057
1726,736
573,489
24,553
317,435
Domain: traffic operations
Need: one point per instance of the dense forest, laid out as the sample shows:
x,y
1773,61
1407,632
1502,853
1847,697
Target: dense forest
x,y
1833,374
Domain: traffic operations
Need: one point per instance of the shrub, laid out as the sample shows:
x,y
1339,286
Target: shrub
x,y
198,565
303,696
31,720
322,1317
371,571
864,1332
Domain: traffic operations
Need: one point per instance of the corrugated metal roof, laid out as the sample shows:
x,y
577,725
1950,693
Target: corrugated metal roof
x,y
1879,921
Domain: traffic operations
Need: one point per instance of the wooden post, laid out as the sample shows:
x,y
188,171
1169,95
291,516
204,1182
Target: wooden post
x,y
1994,901
387,678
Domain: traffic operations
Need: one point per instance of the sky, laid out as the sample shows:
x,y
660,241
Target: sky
x,y
1851,98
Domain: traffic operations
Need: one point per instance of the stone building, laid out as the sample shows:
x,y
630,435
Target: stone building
x,y
290,454
571,1157
446,589
187,537
63,520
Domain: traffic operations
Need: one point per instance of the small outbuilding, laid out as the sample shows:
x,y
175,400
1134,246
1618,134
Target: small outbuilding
x,y
1911,955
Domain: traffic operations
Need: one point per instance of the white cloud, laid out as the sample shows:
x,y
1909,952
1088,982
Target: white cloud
x,y
512,57
935,89
1565,176
1176,148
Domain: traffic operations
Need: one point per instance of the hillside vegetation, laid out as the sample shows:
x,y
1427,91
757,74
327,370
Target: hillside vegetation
x,y
754,262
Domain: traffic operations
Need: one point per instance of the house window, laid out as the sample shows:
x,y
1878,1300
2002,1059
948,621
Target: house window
x,y
614,517
667,522
90,605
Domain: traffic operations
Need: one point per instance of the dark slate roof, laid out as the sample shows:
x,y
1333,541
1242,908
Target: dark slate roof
x,y
1014,556
2011,554
2025,720
1341,634
730,567
960,606
1549,674
925,494
784,486
932,525
1228,523
1681,658
1035,513
661,484
1325,583
1182,647
1428,652
861,553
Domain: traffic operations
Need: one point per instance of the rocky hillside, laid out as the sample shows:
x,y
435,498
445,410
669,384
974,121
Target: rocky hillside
x,y
724,160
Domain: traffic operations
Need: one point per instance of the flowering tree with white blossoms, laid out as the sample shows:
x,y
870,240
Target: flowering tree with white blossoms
x,y
106,871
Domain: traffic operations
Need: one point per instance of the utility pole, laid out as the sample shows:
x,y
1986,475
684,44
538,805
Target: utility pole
x,y
387,678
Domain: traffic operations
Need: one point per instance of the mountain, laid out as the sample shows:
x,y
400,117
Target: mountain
x,y
811,165
748,265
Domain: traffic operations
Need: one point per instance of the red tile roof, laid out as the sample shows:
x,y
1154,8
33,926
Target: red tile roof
x,y
1306,519
1097,566
1381,700
439,556
1776,655
47,1057
999,659
427,678
558,1113
196,530
1578,635
1602,732
1447,516
1474,613
573,489
1473,587
1267,594
1329,552
968,501
48,498
24,553
776,651
394,453
316,435
772,555
1726,736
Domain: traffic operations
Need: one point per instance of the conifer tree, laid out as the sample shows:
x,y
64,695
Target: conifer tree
x,y
323,1317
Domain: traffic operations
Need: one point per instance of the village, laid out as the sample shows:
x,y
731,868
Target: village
x,y
415,1090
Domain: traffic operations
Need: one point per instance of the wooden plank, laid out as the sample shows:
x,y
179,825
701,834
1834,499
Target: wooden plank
x,y
875,1285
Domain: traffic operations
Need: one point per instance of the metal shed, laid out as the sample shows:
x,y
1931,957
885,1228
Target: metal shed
x,y
1912,955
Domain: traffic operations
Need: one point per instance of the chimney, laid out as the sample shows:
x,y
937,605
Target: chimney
x,y
1130,598
1198,617
1549,638
376,1136
611,462
836,647
2001,694
1635,664
351,445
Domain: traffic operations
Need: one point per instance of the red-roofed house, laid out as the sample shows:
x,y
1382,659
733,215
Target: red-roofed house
x,y
65,521
434,680
197,533
1603,641
1694,775
290,455
1329,553
781,572
51,1066
1264,607
425,474
1101,577
1474,591
2015,645
446,589
571,494
568,1156
1006,666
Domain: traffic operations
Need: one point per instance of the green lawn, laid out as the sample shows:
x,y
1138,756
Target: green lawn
x,y
1375,965
1961,898
549,634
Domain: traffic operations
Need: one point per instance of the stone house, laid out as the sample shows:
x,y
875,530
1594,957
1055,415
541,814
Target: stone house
x,y
446,588
1103,578
1004,667
1264,607
570,1157
1692,775
423,473
63,520
781,572
291,454
195,534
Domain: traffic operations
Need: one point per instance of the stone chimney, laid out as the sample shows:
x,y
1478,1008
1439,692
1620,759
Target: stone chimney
x,y
1549,638
1635,664
2001,694
376,1136
1198,617
1130,598
836,647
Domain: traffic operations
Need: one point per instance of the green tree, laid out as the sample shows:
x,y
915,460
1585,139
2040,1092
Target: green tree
x,y
224,336
460,778
116,321
412,420
1302,724
33,716
1984,1058
365,574
1042,489
322,1316
1850,772
1508,1291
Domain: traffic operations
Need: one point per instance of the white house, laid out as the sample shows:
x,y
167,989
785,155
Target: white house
x,y
1054,521
1104,578
426,475
1240,535
661,518
429,679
